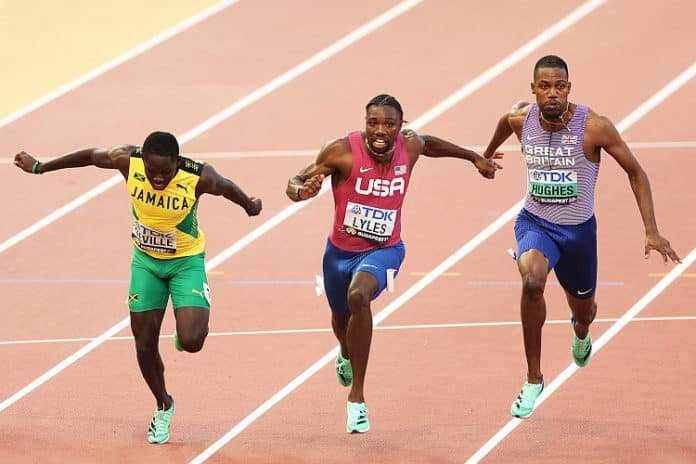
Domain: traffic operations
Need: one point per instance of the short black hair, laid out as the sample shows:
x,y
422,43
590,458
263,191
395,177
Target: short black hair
x,y
161,143
386,100
551,61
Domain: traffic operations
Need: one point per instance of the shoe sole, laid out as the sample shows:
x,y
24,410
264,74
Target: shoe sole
x,y
155,442
356,430
519,416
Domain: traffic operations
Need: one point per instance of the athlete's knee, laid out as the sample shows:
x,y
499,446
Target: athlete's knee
x,y
533,284
586,317
358,300
192,342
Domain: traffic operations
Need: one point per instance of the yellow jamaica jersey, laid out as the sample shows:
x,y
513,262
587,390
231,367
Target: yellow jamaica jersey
x,y
165,224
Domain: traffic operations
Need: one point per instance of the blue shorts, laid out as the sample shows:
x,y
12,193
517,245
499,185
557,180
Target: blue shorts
x,y
571,250
340,266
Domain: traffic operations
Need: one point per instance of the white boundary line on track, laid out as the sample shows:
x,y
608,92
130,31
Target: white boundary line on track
x,y
251,98
596,346
119,60
627,122
303,153
279,81
466,90
245,333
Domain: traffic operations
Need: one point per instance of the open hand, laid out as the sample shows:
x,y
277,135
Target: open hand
x,y
657,242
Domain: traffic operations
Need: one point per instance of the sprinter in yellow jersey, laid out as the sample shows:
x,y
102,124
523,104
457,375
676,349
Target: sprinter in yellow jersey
x,y
168,250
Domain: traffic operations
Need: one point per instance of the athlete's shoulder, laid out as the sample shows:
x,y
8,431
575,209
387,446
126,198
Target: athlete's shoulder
x,y
130,151
520,109
598,124
335,148
517,115
124,151
191,166
120,156
410,136
415,143
337,145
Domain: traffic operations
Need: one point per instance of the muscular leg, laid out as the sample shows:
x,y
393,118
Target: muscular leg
x,y
534,268
339,323
584,311
359,333
192,327
146,329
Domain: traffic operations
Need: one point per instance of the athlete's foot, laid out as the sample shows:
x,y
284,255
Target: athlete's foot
x,y
160,424
344,371
581,349
357,418
523,406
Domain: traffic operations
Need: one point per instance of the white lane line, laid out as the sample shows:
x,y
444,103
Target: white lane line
x,y
466,90
512,59
661,145
246,333
627,122
305,152
248,154
119,60
231,110
122,324
326,53
596,346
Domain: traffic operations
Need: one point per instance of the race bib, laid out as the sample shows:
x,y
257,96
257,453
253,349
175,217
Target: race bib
x,y
368,222
558,186
151,240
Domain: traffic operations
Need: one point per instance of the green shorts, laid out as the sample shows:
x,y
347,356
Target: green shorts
x,y
153,280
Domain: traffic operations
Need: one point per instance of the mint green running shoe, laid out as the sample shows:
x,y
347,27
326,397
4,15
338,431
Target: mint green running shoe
x,y
177,343
344,371
581,349
159,426
357,418
523,406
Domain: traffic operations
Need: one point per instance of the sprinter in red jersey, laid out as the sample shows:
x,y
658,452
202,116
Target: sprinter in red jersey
x,y
369,172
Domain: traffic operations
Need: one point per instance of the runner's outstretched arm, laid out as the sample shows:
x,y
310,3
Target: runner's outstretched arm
x,y
307,183
506,127
434,147
611,141
117,157
213,183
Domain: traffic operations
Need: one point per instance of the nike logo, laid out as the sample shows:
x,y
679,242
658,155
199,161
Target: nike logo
x,y
363,170
585,292
533,138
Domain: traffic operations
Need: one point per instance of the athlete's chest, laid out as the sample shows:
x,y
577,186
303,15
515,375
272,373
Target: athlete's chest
x,y
176,200
372,180
551,150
